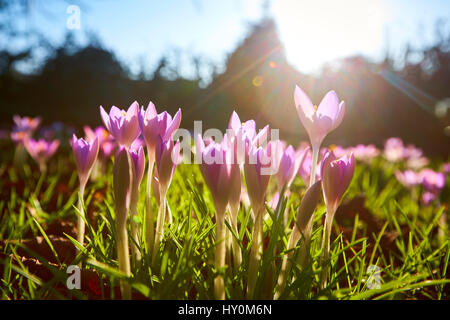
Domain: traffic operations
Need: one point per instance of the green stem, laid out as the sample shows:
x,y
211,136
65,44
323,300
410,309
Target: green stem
x,y
326,249
315,151
160,222
287,263
237,254
219,258
122,251
80,220
255,254
136,254
149,215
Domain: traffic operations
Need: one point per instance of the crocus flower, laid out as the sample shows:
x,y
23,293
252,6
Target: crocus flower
x,y
166,157
319,121
394,150
216,168
105,140
41,151
26,124
138,166
153,126
288,166
433,181
257,169
123,126
408,178
84,153
336,177
364,153
446,167
122,183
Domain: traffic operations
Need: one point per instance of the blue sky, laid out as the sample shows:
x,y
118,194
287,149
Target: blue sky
x,y
313,32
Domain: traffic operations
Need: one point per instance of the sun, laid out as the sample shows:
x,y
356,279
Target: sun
x,y
317,32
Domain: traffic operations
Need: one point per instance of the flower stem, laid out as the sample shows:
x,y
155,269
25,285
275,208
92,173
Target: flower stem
x,y
80,221
237,254
255,254
287,263
149,216
136,254
315,151
326,249
160,222
219,286
122,250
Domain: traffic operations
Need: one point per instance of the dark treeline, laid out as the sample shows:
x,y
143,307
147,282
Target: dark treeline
x,y
382,101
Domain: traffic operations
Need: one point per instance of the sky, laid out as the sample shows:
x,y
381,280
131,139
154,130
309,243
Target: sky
x,y
314,32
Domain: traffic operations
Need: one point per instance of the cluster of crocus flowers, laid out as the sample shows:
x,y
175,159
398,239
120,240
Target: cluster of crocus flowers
x,y
85,154
154,127
157,131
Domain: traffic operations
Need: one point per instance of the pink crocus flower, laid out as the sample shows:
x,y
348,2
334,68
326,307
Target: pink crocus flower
x,y
258,167
289,165
167,156
106,141
433,181
364,153
84,153
336,177
27,124
154,125
446,168
215,166
394,150
408,178
318,121
41,150
138,167
123,126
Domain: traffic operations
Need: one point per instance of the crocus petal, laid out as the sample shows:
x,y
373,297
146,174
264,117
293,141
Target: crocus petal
x,y
329,106
105,118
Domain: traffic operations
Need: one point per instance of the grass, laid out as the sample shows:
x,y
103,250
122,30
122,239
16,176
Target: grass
x,y
379,223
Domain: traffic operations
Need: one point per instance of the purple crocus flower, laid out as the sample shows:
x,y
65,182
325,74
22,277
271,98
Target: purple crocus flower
x,y
289,165
138,167
124,126
105,140
84,153
364,153
408,178
41,150
154,125
433,181
394,150
318,121
27,124
446,168
166,157
216,168
336,177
